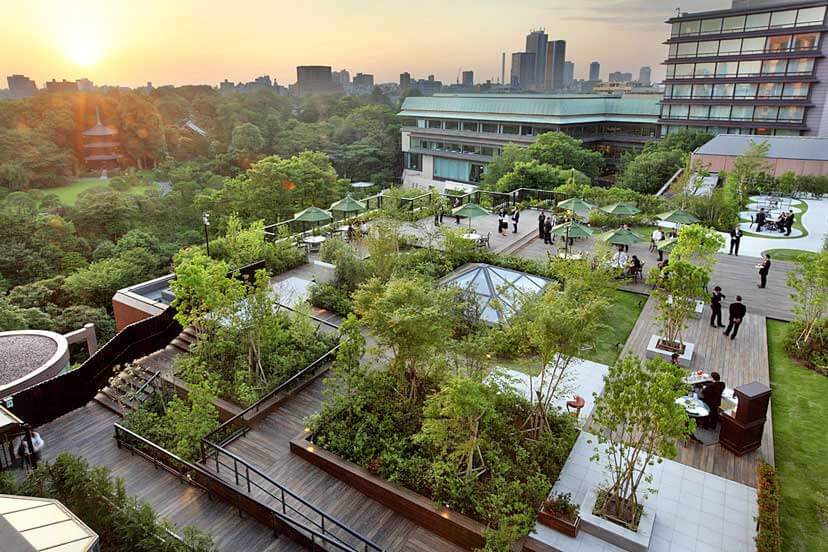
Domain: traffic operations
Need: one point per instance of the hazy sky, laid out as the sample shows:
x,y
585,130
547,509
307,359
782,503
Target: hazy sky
x,y
130,42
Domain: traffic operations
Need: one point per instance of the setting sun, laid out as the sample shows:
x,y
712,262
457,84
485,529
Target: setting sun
x,y
83,51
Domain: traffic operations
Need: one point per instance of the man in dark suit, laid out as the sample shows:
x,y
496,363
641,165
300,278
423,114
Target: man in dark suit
x,y
515,219
789,222
737,311
711,394
716,307
761,217
547,230
541,222
764,268
735,240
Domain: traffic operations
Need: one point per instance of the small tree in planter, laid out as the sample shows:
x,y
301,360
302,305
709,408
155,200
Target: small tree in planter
x,y
678,286
640,424
560,513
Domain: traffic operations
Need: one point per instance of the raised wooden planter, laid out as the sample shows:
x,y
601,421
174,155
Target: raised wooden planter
x,y
457,528
568,528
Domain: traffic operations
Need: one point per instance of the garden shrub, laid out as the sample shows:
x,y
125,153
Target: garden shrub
x,y
331,298
768,537
812,352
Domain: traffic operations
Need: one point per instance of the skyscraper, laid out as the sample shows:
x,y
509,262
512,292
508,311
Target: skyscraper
x,y
468,78
313,79
537,43
555,59
523,70
594,71
569,73
21,86
619,76
645,76
405,80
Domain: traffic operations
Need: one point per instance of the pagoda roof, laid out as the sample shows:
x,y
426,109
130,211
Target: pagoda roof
x,y
102,145
100,129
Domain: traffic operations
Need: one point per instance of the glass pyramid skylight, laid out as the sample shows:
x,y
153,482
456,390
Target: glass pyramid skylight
x,y
498,290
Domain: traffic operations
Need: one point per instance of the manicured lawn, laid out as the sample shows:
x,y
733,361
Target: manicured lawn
x,y
68,194
800,411
788,254
622,316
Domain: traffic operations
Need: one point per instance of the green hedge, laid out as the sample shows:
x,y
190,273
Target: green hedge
x,y
768,537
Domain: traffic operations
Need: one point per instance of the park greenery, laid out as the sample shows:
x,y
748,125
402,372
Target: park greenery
x,y
101,502
808,335
640,424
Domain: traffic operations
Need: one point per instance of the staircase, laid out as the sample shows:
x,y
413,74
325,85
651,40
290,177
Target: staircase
x,y
183,341
129,389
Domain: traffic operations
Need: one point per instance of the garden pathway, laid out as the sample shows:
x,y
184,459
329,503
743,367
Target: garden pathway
x,y
88,432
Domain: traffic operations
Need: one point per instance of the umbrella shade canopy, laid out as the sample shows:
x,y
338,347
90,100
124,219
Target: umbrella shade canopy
x,y
576,204
620,209
621,236
571,229
667,245
362,184
348,205
678,217
313,214
470,210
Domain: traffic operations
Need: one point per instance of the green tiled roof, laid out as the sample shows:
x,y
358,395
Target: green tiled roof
x,y
533,108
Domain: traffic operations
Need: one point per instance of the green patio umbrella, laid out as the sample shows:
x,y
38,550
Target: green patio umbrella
x,y
621,236
313,215
667,245
470,210
620,209
576,205
570,230
678,217
348,205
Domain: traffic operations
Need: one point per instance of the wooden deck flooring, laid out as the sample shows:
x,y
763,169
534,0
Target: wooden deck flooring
x,y
89,432
267,447
740,361
735,275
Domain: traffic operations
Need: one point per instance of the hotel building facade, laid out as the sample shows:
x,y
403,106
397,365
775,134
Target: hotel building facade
x,y
756,68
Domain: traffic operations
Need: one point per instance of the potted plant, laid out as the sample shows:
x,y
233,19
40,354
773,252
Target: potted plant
x,y
561,514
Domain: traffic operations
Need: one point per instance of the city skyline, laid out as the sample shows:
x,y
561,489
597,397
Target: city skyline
x,y
111,42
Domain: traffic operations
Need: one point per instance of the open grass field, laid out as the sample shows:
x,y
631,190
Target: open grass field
x,y
625,310
68,194
800,410
788,254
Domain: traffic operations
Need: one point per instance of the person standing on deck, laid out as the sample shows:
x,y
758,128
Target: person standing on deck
x,y
735,240
737,312
515,219
716,307
764,268
541,222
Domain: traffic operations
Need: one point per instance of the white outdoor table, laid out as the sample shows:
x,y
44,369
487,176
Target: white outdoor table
x,y
694,407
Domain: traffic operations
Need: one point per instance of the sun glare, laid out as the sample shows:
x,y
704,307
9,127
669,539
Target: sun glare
x,y
83,51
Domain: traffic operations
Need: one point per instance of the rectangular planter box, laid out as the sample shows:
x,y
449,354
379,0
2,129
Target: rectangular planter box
x,y
614,534
685,359
560,525
457,528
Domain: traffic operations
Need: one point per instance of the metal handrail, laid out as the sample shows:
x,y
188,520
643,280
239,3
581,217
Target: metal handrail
x,y
256,406
148,382
281,493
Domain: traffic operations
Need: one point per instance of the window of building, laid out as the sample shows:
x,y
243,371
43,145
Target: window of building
x,y
806,41
723,91
451,125
421,123
489,127
783,19
730,47
676,29
413,161
741,113
668,93
476,172
452,169
726,68
766,113
711,26
684,70
690,27
795,90
749,68
486,150
435,124
699,112
671,71
682,91
526,130
753,45
756,21
791,114
510,129
708,48
720,112
733,24
408,122
469,126
769,90
702,91
810,16
471,149
673,51
745,91
800,66
705,69
687,49
679,111
774,66
778,43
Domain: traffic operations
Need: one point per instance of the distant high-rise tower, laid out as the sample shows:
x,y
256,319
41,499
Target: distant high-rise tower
x,y
537,43
645,76
468,78
21,86
405,80
523,70
555,59
594,71
314,79
569,73
503,68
